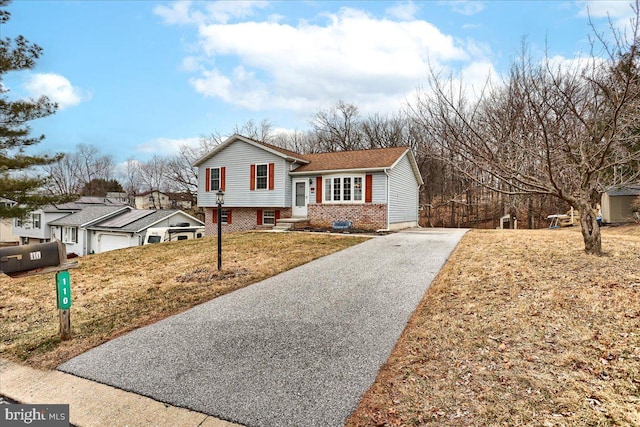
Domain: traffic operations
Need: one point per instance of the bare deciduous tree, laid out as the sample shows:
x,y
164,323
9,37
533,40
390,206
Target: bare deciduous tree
x,y
180,170
547,129
77,170
338,128
153,174
262,131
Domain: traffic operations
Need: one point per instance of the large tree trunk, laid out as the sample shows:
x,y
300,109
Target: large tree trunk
x,y
590,230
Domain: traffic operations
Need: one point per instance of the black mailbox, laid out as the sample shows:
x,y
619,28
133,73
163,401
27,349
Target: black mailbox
x,y
18,259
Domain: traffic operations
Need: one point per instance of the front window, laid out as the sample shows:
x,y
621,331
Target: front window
x,y
18,222
269,217
70,235
215,179
343,189
357,188
225,217
36,220
262,174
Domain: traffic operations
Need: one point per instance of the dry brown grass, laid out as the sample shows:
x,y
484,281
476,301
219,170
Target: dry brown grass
x,y
118,291
520,328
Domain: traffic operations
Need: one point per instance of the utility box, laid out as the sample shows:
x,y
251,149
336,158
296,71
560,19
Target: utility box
x,y
18,259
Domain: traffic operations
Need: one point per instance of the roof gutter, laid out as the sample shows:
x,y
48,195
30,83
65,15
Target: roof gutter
x,y
332,171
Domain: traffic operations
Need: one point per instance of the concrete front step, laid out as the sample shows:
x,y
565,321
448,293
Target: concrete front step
x,y
290,223
283,226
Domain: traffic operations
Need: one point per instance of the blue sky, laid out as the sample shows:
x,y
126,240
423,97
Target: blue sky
x,y
137,78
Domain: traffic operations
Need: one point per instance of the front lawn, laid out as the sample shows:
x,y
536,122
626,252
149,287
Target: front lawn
x,y
521,328
115,292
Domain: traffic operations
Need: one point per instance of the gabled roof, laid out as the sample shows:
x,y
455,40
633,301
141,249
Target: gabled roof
x,y
337,161
358,159
138,220
89,214
286,154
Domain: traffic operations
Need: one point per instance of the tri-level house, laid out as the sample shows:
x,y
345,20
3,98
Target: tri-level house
x,y
264,184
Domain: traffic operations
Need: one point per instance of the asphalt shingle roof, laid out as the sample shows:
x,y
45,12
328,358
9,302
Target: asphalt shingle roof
x,y
631,190
141,223
357,159
87,215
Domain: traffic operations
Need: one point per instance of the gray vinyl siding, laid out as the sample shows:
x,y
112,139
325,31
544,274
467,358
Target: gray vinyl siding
x,y
379,192
237,158
403,193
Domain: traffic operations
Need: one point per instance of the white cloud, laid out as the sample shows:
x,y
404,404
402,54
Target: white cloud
x,y
620,12
353,56
603,9
466,7
58,88
403,11
181,12
223,11
165,146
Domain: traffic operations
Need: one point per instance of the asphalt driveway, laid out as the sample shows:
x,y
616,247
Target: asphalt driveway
x,y
297,349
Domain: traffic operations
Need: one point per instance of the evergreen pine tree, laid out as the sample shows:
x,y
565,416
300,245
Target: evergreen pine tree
x,y
16,183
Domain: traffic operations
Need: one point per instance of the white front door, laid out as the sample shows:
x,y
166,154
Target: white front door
x,y
300,198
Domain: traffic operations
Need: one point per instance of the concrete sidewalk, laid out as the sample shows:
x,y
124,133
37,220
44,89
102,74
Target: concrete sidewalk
x,y
298,349
94,404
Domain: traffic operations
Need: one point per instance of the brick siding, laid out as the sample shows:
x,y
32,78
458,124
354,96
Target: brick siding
x,y
242,219
363,216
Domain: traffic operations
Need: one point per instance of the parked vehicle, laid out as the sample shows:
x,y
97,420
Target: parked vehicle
x,y
170,234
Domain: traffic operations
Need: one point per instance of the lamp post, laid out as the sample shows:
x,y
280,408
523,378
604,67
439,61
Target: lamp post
x,y
220,202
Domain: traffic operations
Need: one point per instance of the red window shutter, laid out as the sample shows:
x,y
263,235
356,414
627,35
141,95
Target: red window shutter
x,y
252,180
368,191
272,168
223,173
277,214
207,180
259,217
229,217
319,189
214,216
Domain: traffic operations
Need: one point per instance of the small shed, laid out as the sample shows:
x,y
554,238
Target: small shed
x,y
616,204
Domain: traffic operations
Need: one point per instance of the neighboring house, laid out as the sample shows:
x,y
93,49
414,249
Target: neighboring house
x,y
129,229
162,200
180,200
616,204
72,229
35,227
118,197
373,189
6,226
97,229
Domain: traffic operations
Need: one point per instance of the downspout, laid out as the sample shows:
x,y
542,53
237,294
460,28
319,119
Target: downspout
x,y
386,172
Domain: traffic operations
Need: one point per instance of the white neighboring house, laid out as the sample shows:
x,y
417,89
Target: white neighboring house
x,y
35,227
72,229
6,226
97,229
130,228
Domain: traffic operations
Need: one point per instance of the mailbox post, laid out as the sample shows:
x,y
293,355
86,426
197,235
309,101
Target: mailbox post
x,y
63,294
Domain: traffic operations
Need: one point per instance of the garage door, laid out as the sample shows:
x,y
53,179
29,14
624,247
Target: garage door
x,y
109,242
